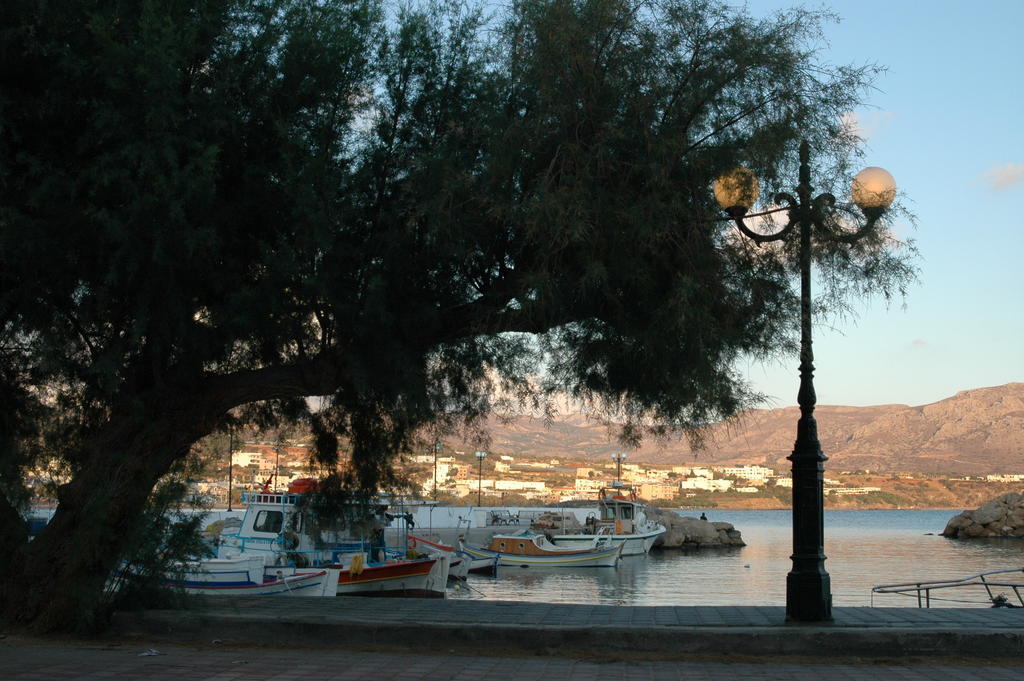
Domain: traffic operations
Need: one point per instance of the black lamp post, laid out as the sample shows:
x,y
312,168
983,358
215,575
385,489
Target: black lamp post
x,y
437,448
277,463
618,457
479,474
808,587
231,463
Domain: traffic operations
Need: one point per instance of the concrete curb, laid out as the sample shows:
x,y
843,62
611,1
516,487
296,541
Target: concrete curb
x,y
826,640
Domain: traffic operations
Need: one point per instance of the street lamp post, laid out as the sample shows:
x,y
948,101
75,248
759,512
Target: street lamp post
x,y
479,474
618,458
808,587
277,463
437,448
231,463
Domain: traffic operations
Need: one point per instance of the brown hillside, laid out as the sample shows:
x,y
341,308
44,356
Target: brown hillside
x,y
974,432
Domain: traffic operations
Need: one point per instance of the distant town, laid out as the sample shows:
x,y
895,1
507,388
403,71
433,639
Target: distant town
x,y
495,479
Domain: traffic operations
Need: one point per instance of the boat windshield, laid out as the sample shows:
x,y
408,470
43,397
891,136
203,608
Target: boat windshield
x,y
268,521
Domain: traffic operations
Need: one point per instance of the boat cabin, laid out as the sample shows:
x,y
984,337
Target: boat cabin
x,y
618,512
275,526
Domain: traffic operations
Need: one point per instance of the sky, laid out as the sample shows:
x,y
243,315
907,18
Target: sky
x,y
947,120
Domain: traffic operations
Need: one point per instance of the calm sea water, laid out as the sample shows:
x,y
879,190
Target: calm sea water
x,y
864,549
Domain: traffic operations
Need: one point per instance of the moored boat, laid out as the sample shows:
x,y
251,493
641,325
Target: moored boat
x,y
248,577
621,518
275,531
531,549
425,578
462,563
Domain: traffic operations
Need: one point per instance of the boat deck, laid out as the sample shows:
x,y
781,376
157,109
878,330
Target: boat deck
x,y
657,631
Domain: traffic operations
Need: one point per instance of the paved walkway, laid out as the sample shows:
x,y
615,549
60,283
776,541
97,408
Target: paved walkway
x,y
478,625
22,660
405,639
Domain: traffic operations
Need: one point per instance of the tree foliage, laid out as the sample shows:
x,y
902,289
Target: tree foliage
x,y
417,211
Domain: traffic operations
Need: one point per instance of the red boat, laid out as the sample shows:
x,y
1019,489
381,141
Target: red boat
x,y
402,578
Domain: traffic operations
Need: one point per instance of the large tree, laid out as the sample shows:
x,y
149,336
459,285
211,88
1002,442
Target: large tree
x,y
213,203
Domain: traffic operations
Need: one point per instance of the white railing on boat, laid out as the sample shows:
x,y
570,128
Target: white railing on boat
x,y
923,590
283,498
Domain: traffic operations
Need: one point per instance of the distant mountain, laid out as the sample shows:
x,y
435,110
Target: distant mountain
x,y
975,432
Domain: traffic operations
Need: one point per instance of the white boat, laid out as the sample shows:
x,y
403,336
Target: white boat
x,y
620,518
248,577
531,549
274,530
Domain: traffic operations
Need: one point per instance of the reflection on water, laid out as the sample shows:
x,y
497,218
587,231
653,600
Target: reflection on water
x,y
864,548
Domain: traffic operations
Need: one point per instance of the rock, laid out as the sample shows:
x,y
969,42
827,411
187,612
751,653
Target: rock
x,y
690,532
989,513
957,523
1001,517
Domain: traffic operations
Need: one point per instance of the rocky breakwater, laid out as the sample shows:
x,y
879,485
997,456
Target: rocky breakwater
x,y
1001,517
688,532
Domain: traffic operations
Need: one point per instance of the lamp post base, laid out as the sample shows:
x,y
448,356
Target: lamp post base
x,y
808,597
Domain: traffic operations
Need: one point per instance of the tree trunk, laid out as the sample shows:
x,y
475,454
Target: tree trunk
x,y
56,582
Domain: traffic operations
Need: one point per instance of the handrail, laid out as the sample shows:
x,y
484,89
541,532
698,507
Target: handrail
x,y
923,589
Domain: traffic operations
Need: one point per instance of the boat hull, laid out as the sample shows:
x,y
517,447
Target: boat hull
x,y
632,544
466,562
422,578
607,557
316,583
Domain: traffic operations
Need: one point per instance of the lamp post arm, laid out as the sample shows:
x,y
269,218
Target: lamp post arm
x,y
850,237
780,235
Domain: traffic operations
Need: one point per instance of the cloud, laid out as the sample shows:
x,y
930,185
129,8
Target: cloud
x,y
1004,176
866,124
919,342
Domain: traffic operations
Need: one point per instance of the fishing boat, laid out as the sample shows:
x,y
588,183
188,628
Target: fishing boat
x,y
418,577
462,563
620,518
275,530
532,549
247,577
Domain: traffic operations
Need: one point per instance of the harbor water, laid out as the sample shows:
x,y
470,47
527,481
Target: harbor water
x,y
864,549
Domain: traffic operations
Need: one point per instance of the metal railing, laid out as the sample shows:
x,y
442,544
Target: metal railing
x,y
923,590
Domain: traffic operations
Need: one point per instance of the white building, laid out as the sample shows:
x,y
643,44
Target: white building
x,y
748,472
246,458
1005,477
519,486
841,491
588,485
708,484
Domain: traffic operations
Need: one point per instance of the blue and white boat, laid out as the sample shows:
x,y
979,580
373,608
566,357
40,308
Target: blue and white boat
x,y
248,576
621,519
